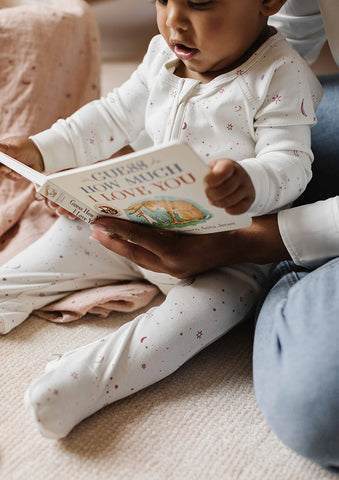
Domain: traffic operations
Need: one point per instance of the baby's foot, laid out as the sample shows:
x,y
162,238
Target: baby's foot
x,y
73,387
82,381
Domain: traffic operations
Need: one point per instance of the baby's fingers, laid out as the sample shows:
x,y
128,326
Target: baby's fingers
x,y
238,202
221,171
59,210
8,173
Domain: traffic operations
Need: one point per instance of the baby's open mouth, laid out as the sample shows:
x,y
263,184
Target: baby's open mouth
x,y
183,47
183,52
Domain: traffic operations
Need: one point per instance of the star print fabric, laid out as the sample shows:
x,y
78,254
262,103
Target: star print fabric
x,y
141,352
49,66
255,115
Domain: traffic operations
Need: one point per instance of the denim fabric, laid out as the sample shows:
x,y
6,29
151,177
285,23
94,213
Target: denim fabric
x,y
296,343
296,360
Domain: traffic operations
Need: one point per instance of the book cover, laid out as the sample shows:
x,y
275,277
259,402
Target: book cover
x,y
159,187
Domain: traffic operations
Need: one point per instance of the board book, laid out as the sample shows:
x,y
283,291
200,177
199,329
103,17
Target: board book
x,y
158,186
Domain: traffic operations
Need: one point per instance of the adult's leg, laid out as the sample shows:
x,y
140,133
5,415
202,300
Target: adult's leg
x,y
195,313
297,329
61,261
296,360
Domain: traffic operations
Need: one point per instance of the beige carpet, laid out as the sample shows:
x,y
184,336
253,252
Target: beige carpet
x,y
202,422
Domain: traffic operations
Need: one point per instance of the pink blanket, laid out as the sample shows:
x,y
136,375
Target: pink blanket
x,y
49,67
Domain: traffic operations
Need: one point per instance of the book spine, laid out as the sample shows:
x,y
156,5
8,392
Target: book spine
x,y
68,202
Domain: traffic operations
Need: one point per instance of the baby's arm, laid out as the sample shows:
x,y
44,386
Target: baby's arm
x,y
283,111
229,186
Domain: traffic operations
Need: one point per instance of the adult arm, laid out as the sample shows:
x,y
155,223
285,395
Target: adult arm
x,y
311,232
301,24
185,255
308,234
330,13
307,23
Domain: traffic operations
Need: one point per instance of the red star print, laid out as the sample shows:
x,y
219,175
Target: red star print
x,y
199,334
276,99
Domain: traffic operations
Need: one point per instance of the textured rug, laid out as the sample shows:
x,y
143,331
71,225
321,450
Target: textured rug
x,y
202,422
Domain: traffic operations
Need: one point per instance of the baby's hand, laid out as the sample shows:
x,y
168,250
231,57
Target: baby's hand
x,y
24,150
229,186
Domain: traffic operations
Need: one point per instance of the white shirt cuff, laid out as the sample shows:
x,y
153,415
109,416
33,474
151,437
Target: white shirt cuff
x,y
311,232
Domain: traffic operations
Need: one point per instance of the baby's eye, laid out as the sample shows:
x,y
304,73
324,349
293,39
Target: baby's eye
x,y
200,5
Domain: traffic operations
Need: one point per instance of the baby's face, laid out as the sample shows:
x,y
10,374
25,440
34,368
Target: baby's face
x,y
210,37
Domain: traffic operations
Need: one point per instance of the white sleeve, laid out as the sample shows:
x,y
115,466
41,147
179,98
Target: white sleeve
x,y
311,232
278,178
281,168
307,23
301,24
99,129
330,14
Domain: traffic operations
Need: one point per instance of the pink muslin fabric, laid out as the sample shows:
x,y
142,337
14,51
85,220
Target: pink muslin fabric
x,y
99,301
49,67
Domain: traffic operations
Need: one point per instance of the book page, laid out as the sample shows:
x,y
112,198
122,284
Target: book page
x,y
19,167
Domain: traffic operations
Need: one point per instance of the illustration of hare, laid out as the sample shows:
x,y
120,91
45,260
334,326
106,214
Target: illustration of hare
x,y
185,211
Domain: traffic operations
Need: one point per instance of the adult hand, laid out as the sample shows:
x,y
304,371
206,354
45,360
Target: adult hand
x,y
184,255
24,150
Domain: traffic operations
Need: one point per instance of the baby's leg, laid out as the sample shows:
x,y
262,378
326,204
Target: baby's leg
x,y
61,261
195,313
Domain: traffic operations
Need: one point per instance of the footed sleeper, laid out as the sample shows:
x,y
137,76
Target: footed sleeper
x,y
194,314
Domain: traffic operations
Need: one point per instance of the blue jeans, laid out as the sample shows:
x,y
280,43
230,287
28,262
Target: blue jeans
x,y
296,342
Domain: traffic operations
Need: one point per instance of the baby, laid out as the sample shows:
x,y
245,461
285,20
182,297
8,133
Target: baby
x,y
220,79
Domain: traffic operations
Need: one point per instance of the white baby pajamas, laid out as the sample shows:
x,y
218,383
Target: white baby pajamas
x,y
195,313
259,114
256,115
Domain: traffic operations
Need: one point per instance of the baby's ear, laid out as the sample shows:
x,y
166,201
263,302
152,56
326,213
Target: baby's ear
x,y
270,7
